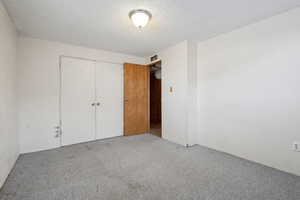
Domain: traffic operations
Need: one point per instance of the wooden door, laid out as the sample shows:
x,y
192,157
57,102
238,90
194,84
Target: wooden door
x,y
136,99
109,103
77,101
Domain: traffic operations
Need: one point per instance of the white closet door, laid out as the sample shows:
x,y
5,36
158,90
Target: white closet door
x,y
109,92
77,96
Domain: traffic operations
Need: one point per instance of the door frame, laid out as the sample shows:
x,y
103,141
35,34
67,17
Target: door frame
x,y
59,131
146,65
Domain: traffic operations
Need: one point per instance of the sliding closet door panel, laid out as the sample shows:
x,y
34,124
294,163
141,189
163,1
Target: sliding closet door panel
x,y
109,92
77,96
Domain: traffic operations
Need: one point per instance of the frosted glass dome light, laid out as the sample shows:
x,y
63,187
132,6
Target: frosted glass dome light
x,y
140,18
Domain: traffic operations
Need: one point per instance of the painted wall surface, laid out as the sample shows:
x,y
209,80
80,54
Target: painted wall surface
x,y
9,150
174,108
38,88
248,91
192,116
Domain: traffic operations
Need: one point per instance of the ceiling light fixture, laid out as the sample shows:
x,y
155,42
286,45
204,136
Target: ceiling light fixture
x,y
140,18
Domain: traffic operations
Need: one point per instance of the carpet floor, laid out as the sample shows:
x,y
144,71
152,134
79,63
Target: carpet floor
x,y
144,167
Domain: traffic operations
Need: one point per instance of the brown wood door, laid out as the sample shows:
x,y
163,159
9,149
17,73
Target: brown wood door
x,y
136,99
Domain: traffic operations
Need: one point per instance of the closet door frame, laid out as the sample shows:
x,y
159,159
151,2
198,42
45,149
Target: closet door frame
x,y
58,129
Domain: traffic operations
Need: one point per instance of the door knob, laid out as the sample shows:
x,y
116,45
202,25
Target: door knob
x,y
93,104
98,104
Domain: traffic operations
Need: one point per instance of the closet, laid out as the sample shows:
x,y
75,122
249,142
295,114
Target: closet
x,y
91,100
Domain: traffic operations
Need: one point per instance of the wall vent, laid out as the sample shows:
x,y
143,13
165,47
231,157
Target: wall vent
x,y
153,58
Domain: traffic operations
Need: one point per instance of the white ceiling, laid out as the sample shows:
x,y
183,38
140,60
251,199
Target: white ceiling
x,y
104,24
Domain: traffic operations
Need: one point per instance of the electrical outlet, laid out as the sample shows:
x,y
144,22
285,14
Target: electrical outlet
x,y
296,146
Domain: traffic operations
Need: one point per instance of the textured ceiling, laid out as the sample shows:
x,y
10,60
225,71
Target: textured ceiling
x,y
104,24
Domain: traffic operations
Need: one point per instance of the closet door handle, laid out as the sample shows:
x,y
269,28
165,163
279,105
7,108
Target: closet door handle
x,y
93,104
98,104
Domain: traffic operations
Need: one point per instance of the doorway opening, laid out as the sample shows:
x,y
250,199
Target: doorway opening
x,y
142,99
155,99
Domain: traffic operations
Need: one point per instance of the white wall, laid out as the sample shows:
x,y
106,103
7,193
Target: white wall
x,y
179,71
249,92
38,87
192,116
8,127
174,74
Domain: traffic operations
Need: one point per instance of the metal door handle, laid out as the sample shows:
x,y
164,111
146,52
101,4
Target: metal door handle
x,y
93,104
98,104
